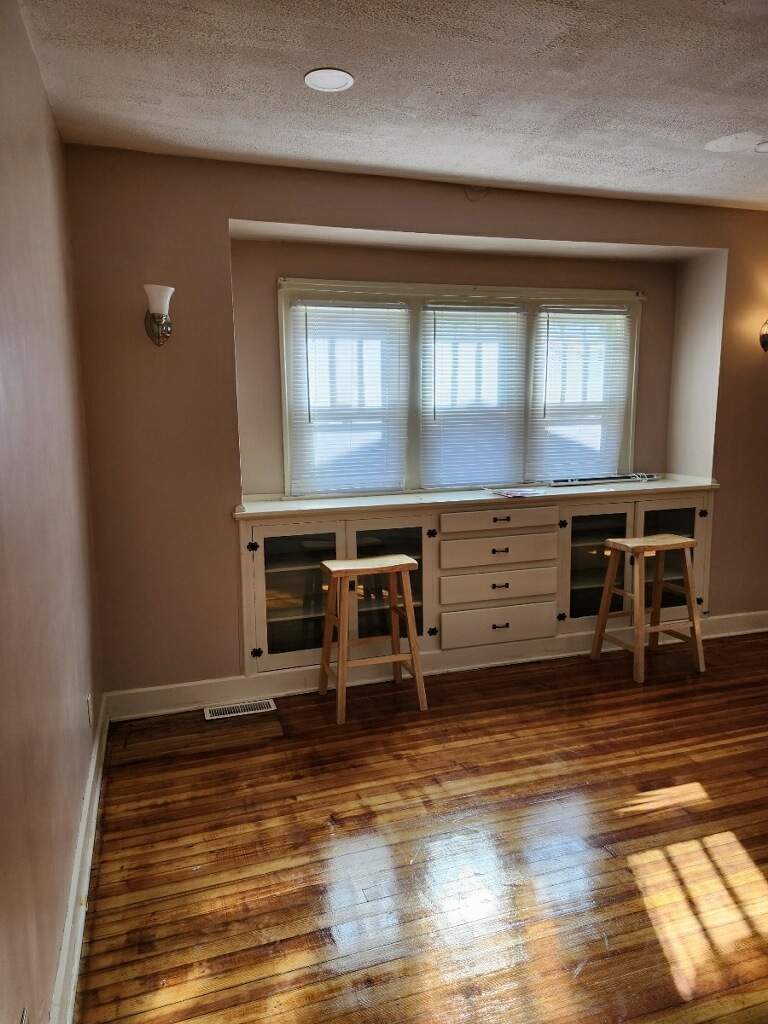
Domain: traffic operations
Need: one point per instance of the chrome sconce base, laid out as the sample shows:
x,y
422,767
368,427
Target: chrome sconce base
x,y
158,326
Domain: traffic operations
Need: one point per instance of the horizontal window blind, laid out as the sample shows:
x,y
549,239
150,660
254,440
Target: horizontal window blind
x,y
348,396
580,390
473,375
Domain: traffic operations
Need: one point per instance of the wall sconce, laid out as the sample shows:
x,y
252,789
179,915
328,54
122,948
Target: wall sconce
x,y
764,336
157,322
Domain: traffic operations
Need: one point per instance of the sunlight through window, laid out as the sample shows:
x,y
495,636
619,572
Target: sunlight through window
x,y
708,903
661,799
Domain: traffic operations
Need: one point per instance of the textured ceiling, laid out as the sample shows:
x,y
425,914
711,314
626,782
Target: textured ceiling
x,y
598,96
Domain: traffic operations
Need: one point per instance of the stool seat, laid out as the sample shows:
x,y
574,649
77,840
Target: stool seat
x,y
637,549
341,572
366,566
655,542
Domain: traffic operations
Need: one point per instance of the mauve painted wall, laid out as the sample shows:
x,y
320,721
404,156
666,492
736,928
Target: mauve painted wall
x,y
46,635
162,423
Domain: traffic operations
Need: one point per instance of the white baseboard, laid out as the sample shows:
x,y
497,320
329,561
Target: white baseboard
x,y
65,986
174,697
734,625
168,699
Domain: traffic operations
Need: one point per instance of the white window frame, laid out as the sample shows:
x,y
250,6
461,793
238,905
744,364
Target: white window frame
x,y
416,295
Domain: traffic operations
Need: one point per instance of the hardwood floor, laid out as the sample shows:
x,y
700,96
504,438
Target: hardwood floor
x,y
549,843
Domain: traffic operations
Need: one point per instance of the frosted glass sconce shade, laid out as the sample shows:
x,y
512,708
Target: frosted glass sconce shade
x,y
157,320
764,336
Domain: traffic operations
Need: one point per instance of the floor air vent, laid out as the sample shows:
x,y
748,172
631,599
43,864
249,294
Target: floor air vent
x,y
248,707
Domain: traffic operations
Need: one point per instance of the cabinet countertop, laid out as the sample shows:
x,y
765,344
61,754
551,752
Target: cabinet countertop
x,y
256,507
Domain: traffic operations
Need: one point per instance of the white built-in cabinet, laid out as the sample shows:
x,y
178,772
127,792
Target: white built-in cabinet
x,y
498,575
582,556
288,587
495,581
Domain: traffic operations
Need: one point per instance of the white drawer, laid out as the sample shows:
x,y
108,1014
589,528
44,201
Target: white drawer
x,y
498,625
526,547
498,519
494,586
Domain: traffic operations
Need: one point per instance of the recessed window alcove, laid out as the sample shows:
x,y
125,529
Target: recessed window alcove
x,y
678,349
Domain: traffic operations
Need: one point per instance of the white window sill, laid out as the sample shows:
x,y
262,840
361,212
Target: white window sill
x,y
258,506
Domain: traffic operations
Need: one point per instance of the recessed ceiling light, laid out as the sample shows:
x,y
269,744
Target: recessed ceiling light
x,y
762,147
328,80
734,143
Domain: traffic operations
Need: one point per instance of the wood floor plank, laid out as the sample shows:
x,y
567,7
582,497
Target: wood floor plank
x,y
550,843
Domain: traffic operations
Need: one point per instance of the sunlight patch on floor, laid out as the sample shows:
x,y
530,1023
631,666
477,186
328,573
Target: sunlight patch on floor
x,y
708,903
661,799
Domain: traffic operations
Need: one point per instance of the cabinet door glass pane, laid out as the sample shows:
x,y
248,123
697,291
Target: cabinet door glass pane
x,y
373,591
589,561
681,521
295,595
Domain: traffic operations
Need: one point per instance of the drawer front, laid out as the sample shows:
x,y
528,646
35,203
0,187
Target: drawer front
x,y
526,547
494,586
498,519
498,625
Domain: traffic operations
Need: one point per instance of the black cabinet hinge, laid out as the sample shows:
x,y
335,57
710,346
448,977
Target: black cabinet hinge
x,y
256,652
703,513
252,545
432,631
562,617
431,533
699,600
562,523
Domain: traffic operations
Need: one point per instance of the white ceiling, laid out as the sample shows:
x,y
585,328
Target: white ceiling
x,y
596,96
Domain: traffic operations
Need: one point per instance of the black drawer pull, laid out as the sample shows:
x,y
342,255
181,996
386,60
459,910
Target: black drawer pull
x,y
502,519
499,586
503,626
499,551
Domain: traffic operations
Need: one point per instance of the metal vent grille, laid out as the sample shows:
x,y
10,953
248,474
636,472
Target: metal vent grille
x,y
248,707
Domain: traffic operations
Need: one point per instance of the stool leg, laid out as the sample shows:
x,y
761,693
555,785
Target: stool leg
x,y
605,604
394,626
693,611
331,617
341,665
413,640
658,580
638,611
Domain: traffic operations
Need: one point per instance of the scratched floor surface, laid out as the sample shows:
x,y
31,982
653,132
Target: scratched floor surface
x,y
549,843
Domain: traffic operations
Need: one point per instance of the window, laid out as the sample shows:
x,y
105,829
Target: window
x,y
473,395
348,385
580,394
396,387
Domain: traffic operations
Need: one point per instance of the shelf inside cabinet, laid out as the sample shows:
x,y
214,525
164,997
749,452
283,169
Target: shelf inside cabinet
x,y
281,615
297,566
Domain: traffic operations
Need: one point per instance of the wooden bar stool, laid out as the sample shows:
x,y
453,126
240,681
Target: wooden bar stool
x,y
342,578
638,548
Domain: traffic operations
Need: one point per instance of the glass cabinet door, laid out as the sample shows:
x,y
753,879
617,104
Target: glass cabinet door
x,y
290,591
688,517
583,551
373,591
294,590
681,521
368,538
